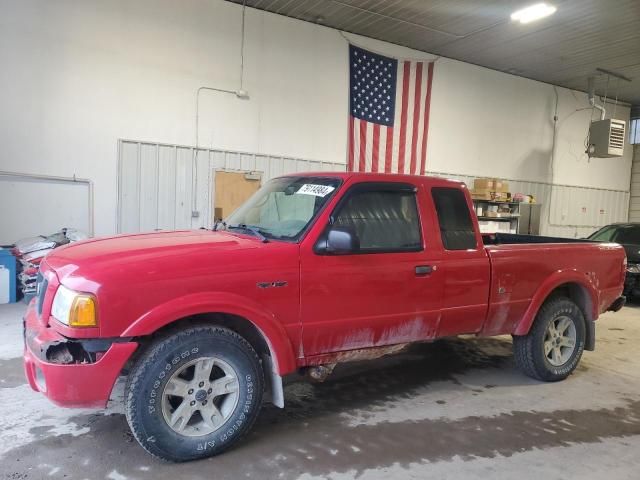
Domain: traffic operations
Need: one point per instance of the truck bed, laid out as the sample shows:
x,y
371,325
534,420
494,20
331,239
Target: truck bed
x,y
524,267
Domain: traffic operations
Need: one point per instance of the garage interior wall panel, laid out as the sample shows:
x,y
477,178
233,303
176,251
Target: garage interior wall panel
x,y
105,83
156,182
634,202
576,211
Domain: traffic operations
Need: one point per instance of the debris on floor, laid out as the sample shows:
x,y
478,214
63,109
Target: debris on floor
x,y
31,251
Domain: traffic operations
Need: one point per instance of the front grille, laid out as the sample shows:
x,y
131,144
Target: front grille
x,y
41,289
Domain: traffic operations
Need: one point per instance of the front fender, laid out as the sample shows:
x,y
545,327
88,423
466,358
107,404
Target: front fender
x,y
555,280
221,302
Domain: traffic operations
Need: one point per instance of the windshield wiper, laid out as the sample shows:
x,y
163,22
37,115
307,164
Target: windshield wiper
x,y
255,230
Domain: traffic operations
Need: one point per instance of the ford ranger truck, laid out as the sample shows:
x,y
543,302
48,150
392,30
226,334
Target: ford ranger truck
x,y
313,270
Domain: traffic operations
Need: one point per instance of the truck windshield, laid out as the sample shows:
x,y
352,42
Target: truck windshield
x,y
284,207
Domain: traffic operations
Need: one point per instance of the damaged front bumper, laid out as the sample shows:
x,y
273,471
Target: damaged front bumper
x,y
71,373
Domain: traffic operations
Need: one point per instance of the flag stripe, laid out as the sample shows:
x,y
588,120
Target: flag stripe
x,y
427,105
369,146
356,144
363,145
382,151
376,147
416,117
409,110
423,89
396,119
388,154
352,120
403,115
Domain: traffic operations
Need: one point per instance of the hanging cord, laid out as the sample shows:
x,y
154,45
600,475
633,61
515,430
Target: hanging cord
x,y
194,158
553,156
606,90
244,9
615,105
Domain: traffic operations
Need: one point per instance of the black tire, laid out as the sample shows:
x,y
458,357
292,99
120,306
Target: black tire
x,y
528,350
170,355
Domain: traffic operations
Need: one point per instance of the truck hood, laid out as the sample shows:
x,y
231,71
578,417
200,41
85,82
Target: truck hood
x,y
147,251
132,275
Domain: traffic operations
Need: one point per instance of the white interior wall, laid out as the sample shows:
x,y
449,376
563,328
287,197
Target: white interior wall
x,y
79,75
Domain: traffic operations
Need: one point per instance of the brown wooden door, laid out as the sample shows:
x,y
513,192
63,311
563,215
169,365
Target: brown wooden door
x,y
231,190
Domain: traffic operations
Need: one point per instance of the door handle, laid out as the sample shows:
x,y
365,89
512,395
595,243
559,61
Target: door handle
x,y
425,269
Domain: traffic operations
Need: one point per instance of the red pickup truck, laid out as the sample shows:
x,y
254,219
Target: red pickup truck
x,y
314,270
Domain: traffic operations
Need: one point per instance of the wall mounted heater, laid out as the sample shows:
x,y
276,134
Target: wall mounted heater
x,y
606,138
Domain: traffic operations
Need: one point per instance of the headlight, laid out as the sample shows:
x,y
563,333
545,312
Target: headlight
x,y
73,308
633,268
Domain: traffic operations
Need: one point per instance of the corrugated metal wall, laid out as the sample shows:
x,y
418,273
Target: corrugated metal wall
x,y
576,211
157,188
156,181
634,202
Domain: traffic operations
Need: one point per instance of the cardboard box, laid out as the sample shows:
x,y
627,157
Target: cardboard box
x,y
484,184
491,195
501,186
490,184
481,194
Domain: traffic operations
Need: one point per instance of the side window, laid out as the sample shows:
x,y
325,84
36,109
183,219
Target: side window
x,y
456,227
384,220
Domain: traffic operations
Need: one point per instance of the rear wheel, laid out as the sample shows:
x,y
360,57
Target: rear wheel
x,y
194,394
554,345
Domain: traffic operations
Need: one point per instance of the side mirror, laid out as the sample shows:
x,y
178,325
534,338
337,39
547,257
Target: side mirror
x,y
338,240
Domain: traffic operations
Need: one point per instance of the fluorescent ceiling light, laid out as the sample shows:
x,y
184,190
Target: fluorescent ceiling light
x,y
533,12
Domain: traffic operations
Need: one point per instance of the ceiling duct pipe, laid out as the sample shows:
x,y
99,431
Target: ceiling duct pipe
x,y
592,97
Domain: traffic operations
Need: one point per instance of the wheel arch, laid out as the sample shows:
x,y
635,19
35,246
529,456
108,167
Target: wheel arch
x,y
249,319
573,285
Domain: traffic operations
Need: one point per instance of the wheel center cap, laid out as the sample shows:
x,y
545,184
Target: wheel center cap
x,y
201,395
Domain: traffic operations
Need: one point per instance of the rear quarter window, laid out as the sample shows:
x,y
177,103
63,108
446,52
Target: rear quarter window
x,y
454,218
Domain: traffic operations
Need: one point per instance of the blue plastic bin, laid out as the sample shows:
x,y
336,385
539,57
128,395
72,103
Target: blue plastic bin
x,y
7,276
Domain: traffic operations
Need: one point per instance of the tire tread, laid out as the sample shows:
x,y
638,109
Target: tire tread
x,y
524,351
148,358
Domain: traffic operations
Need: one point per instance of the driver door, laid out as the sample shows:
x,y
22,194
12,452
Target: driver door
x,y
384,293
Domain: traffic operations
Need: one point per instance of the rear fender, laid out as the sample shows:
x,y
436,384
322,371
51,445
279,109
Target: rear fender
x,y
557,279
221,302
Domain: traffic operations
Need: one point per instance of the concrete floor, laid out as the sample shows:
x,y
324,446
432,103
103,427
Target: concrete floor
x,y
456,409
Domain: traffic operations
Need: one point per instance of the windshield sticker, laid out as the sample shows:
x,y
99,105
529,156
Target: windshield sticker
x,y
316,190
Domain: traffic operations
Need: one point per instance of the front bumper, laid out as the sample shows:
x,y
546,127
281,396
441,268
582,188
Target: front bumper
x,y
85,384
618,304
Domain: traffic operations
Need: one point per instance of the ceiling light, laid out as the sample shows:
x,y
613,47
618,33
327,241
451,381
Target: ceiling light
x,y
533,12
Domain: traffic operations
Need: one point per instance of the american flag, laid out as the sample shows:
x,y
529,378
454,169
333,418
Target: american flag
x,y
388,113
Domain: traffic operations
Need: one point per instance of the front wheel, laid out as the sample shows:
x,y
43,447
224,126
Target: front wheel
x,y
194,394
554,345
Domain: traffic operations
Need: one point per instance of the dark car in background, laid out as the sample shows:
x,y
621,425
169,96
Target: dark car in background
x,y
627,235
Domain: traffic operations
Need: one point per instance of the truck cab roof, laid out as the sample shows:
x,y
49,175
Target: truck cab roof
x,y
383,177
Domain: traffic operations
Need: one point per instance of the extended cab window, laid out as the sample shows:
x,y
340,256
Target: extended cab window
x,y
384,219
456,227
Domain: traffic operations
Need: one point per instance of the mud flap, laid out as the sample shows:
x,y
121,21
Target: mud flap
x,y
274,391
590,337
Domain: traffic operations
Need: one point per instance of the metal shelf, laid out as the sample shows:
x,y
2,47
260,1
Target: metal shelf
x,y
495,202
